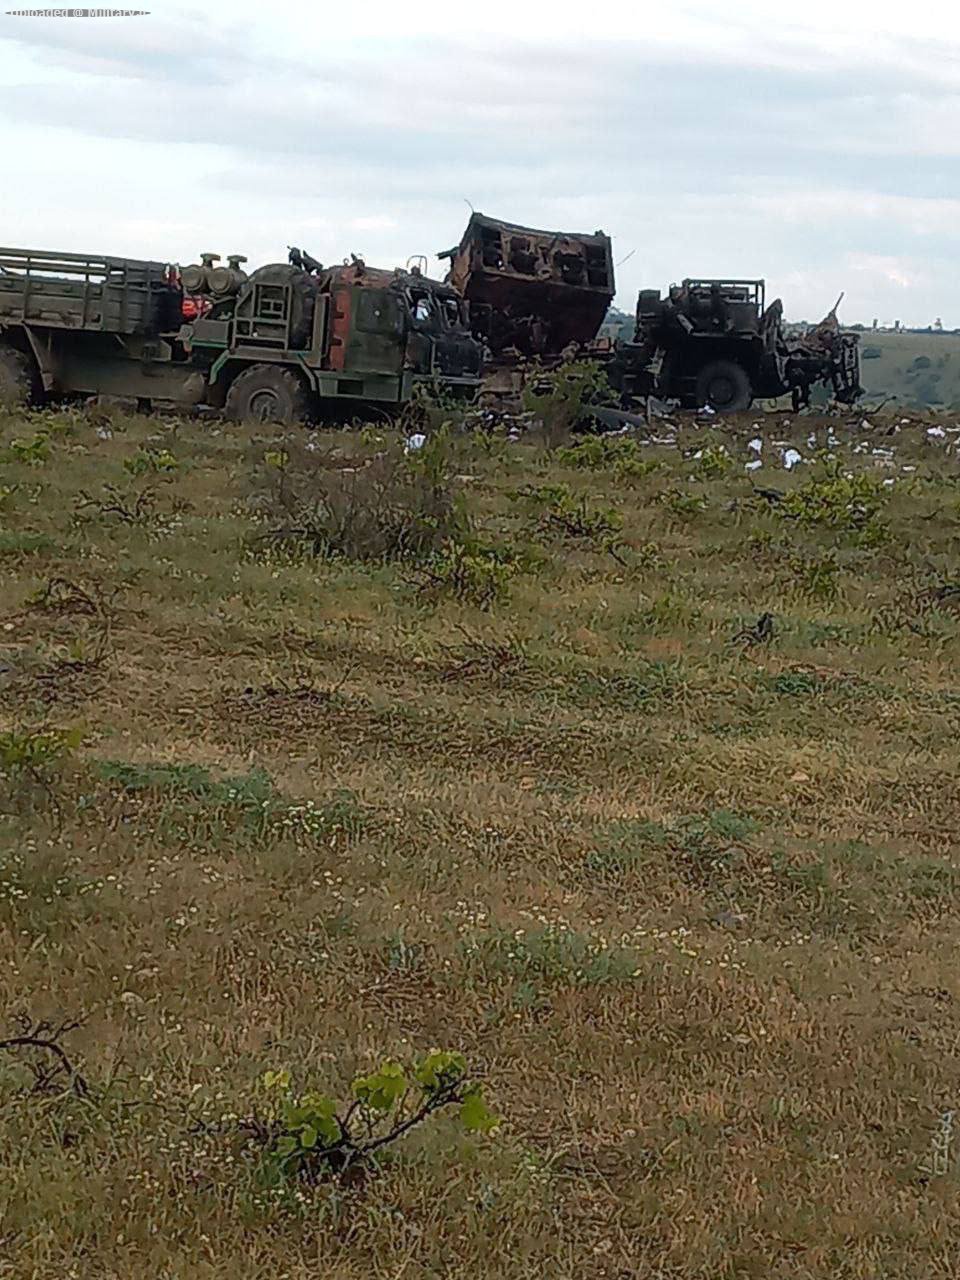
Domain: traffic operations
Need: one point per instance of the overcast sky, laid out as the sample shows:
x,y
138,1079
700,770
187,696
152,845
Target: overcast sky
x,y
820,151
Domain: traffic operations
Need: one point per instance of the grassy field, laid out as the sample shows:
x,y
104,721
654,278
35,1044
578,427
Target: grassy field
x,y
537,787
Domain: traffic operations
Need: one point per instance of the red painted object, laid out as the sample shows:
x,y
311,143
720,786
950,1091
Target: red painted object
x,y
193,307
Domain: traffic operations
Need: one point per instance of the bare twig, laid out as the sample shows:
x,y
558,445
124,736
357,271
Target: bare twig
x,y
116,504
47,1037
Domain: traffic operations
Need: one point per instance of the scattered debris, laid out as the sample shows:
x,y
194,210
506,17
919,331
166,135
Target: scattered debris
x,y
760,633
729,919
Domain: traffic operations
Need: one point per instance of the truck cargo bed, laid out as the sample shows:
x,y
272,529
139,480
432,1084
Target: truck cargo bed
x,y
80,291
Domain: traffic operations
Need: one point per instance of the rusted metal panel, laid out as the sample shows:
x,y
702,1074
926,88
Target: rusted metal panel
x,y
532,292
341,296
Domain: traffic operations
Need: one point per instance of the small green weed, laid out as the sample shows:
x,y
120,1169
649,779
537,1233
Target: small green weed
x,y
24,543
666,612
198,809
34,452
712,462
35,751
151,462
659,682
797,684
685,506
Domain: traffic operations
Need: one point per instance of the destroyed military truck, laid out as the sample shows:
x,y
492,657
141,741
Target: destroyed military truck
x,y
539,297
534,296
717,343
292,341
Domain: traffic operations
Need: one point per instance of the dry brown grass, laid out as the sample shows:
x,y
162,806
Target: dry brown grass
x,y
689,905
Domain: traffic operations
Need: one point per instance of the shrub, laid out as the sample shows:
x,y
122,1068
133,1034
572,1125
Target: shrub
x,y
816,577
619,454
472,573
559,398
838,500
392,505
557,511
685,506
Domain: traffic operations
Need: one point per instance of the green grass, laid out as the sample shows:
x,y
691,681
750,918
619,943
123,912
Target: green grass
x,y
688,903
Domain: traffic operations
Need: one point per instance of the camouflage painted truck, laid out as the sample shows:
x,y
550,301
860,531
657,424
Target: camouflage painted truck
x,y
292,341
716,342
536,297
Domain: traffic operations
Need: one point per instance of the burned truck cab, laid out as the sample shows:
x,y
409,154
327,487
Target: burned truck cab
x,y
440,342
418,323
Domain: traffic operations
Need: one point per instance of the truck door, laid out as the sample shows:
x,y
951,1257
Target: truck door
x,y
424,331
376,337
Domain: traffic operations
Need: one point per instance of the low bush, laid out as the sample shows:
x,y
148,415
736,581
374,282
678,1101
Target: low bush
x,y
391,505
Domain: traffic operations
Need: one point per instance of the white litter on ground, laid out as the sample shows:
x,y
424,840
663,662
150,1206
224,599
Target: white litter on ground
x,y
416,441
756,444
753,466
791,457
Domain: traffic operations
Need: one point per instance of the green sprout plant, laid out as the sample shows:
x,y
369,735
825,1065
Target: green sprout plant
x,y
308,1137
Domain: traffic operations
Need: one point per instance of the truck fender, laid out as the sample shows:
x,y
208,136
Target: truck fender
x,y
225,368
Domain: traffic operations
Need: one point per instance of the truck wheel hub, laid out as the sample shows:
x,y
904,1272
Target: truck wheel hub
x,y
264,405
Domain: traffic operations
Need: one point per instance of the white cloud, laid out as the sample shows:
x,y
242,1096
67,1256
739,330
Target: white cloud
x,y
819,149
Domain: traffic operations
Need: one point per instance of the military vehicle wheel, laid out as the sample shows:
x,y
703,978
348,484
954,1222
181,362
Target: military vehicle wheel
x,y
17,378
267,393
725,386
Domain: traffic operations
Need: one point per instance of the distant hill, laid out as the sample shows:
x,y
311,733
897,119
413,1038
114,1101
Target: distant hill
x,y
618,325
919,369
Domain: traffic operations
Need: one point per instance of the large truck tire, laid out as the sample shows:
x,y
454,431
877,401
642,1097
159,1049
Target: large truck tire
x,y
267,393
725,386
18,380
